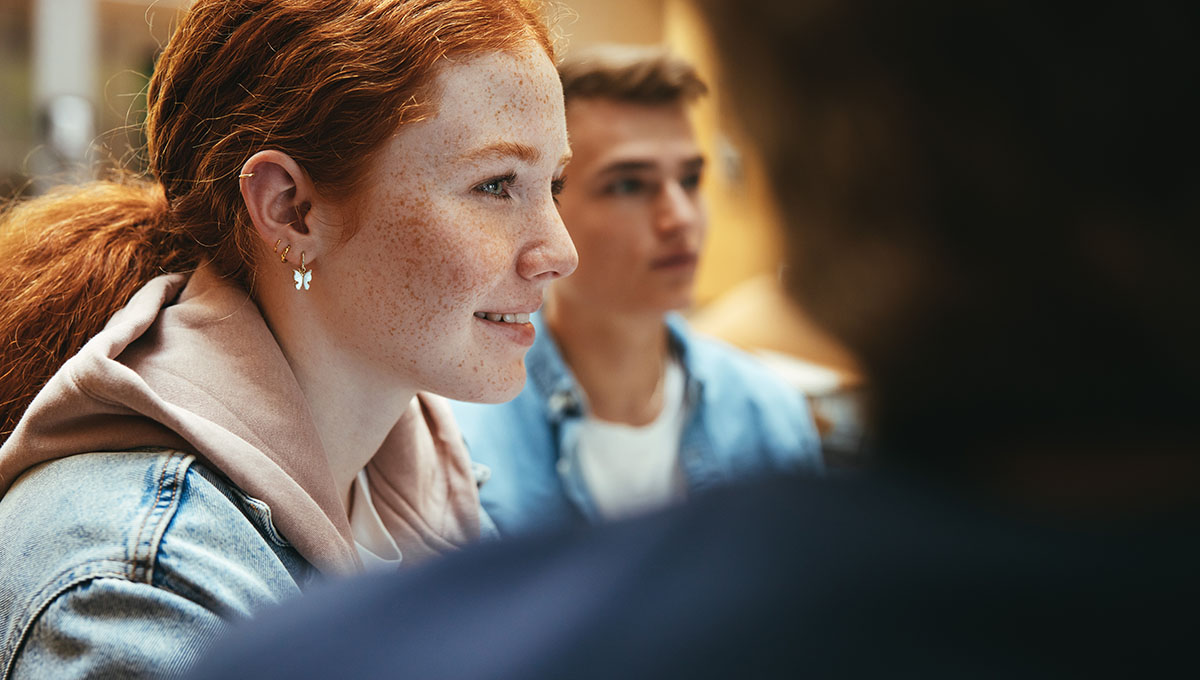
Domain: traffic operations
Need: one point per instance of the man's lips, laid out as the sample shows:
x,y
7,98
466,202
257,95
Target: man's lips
x,y
684,259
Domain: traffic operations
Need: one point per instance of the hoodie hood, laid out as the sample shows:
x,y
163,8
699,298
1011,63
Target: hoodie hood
x,y
190,364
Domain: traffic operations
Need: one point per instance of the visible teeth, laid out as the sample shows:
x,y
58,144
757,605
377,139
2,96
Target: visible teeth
x,y
504,318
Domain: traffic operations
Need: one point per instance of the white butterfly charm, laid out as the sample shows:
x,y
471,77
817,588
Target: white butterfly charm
x,y
302,276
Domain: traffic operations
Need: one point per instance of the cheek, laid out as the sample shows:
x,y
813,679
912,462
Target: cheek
x,y
590,225
444,257
613,235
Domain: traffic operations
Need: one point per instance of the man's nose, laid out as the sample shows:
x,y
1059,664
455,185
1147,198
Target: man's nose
x,y
677,208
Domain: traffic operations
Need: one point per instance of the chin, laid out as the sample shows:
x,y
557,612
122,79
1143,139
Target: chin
x,y
499,389
673,303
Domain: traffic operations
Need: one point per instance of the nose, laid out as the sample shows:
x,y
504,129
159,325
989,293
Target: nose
x,y
550,252
677,208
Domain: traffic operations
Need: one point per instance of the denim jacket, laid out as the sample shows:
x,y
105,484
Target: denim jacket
x,y
741,421
135,562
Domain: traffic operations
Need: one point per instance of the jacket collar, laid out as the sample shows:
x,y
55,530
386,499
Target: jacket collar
x,y
562,395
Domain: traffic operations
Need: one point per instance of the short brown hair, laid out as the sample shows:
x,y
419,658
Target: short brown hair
x,y
630,73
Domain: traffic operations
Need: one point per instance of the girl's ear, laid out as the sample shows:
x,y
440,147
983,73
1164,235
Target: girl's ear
x,y
279,196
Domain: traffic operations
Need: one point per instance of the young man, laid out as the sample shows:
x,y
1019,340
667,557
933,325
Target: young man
x,y
625,408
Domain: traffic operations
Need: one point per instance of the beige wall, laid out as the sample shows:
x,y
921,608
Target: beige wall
x,y
132,32
586,22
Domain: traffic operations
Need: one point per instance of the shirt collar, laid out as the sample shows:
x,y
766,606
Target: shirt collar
x,y
553,379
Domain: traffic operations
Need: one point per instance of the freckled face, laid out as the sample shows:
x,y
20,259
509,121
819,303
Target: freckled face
x,y
632,206
459,220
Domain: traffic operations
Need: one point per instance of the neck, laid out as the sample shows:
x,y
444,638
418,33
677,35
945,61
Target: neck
x,y
618,359
353,409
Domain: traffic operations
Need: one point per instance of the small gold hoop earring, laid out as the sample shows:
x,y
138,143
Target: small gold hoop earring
x,y
276,248
283,257
302,276
245,175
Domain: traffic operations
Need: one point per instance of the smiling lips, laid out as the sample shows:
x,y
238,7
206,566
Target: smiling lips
x,y
504,318
514,326
675,260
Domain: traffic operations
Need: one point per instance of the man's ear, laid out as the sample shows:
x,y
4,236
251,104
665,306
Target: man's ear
x,y
279,196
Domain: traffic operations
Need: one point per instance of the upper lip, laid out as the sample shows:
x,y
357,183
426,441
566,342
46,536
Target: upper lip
x,y
672,258
518,308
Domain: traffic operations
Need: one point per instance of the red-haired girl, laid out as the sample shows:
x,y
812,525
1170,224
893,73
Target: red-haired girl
x,y
212,379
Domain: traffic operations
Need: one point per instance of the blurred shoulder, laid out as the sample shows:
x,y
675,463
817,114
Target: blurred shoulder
x,y
729,369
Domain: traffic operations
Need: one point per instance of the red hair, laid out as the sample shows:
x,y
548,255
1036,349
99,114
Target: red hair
x,y
326,82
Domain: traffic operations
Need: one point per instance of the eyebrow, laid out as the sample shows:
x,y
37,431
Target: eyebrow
x,y
694,163
522,152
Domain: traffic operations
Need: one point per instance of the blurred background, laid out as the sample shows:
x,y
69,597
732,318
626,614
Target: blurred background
x,y
72,80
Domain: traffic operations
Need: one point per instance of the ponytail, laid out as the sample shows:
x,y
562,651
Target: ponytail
x,y
68,261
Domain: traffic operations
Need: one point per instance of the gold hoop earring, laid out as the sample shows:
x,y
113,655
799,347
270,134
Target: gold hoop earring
x,y
276,248
245,175
283,256
302,276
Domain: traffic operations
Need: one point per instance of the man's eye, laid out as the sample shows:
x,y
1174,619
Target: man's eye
x,y
690,182
623,187
497,187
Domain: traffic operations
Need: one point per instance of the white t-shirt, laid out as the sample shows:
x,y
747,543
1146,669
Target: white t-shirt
x,y
630,470
376,547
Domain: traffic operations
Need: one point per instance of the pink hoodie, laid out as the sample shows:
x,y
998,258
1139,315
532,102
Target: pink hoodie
x,y
190,364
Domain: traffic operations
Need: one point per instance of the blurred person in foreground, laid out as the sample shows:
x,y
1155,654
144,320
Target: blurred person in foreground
x,y
994,205
626,409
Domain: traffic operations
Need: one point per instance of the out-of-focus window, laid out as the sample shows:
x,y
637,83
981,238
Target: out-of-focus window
x,y
73,75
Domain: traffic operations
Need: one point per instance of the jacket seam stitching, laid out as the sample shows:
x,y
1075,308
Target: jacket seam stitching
x,y
249,506
159,516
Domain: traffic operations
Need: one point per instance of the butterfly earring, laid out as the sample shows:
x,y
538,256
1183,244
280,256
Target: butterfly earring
x,y
302,275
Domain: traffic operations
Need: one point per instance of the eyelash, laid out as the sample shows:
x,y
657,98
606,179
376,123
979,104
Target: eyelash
x,y
502,181
556,186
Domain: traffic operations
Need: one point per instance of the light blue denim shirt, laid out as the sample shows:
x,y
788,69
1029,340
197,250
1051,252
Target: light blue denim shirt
x,y
741,421
126,565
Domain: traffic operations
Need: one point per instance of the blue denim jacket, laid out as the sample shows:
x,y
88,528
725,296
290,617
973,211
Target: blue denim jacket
x,y
127,565
741,421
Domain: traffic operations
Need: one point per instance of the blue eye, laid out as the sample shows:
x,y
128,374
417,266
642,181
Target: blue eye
x,y
497,187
